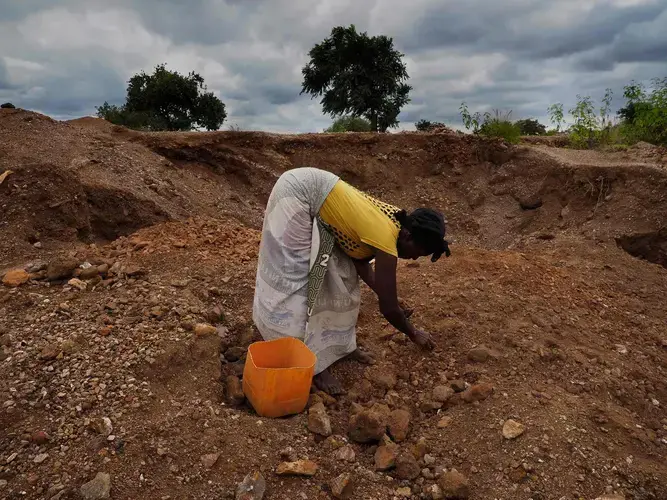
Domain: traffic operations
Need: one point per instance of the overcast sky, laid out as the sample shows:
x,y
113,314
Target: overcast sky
x,y
65,57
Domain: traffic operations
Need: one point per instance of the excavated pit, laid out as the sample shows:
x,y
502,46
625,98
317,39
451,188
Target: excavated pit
x,y
651,247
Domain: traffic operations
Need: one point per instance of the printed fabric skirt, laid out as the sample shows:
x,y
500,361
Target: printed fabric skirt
x,y
306,287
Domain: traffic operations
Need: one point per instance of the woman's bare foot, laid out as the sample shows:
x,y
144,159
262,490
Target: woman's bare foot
x,y
362,357
328,383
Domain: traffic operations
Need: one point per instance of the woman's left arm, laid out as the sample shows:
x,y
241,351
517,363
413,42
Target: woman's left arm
x,y
367,274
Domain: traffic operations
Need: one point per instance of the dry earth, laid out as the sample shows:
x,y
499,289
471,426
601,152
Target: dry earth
x,y
550,313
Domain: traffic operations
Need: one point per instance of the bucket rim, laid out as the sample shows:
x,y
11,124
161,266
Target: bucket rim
x,y
290,339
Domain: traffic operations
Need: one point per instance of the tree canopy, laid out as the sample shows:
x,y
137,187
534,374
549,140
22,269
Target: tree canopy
x,y
350,124
531,126
358,75
166,100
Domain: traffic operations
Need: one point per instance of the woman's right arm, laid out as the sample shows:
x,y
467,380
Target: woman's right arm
x,y
385,285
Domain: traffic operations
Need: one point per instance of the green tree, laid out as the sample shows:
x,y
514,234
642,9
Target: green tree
x,y
166,100
556,115
350,124
531,127
358,75
585,126
7,105
645,114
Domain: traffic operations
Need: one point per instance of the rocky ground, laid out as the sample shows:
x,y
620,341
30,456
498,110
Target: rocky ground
x,y
120,363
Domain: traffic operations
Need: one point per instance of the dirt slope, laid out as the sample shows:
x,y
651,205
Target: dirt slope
x,y
572,326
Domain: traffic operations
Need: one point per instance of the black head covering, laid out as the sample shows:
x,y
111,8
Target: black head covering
x,y
427,228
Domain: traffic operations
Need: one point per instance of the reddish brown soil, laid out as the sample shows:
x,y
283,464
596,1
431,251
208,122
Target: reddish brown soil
x,y
539,276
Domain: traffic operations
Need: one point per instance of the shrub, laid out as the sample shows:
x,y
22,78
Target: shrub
x,y
7,105
426,125
500,126
589,129
491,125
531,127
350,124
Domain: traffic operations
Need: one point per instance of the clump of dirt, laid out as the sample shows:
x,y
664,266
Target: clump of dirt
x,y
124,329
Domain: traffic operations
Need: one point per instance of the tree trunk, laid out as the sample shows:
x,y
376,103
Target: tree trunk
x,y
374,121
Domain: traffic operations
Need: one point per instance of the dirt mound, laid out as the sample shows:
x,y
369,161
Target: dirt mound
x,y
554,141
116,344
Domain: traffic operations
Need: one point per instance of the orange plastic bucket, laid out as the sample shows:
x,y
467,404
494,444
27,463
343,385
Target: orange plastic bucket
x,y
277,376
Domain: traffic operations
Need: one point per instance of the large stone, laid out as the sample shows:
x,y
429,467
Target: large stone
x,y
210,459
429,406
97,489
342,486
15,277
385,456
234,353
368,426
318,420
445,422
345,454
477,392
253,487
298,468
399,425
479,354
61,269
40,438
458,385
407,466
420,448
434,492
454,485
404,492
78,284
513,429
89,273
382,377
101,425
50,352
234,390
204,329
442,393
361,391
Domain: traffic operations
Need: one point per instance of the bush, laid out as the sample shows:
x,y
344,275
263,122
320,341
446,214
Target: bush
x,y
589,129
645,115
491,125
7,105
426,125
531,127
350,124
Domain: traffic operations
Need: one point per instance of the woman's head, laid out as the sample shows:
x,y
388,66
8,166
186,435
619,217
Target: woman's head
x,y
422,233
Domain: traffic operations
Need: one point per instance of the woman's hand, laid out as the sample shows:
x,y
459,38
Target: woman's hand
x,y
423,340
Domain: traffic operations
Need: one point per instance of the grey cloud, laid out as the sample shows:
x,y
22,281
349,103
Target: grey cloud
x,y
64,96
207,22
5,83
516,54
488,25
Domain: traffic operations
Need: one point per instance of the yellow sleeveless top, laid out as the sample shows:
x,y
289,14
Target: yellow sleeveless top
x,y
360,223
